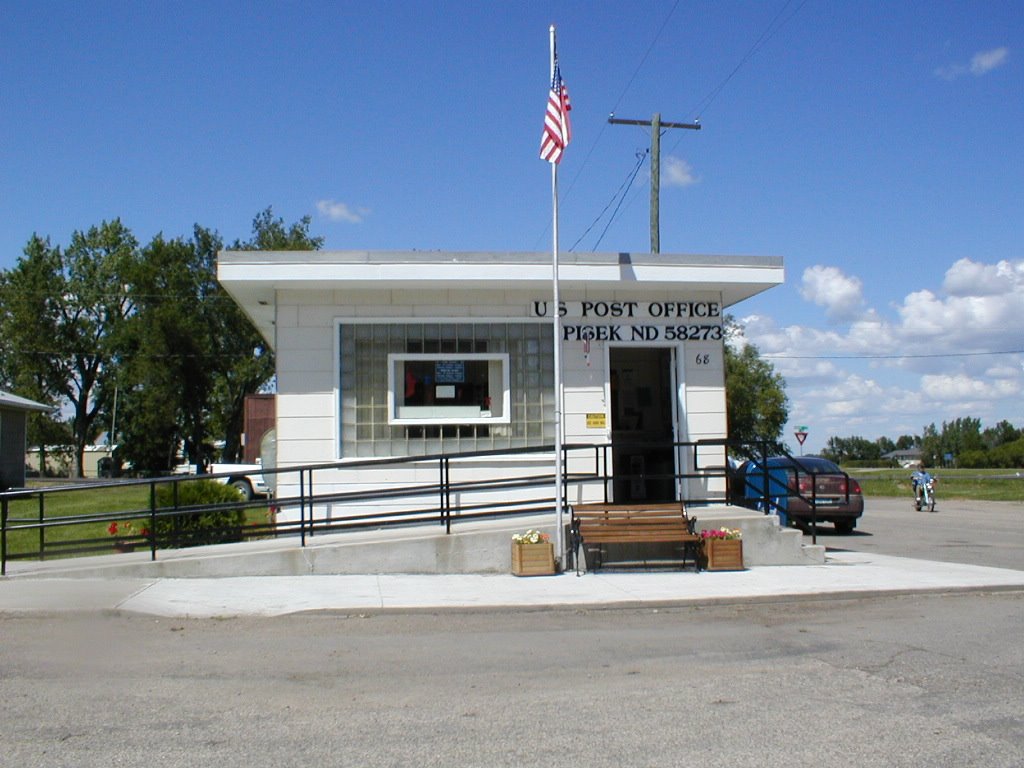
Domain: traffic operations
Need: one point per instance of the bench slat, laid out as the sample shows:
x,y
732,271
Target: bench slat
x,y
655,523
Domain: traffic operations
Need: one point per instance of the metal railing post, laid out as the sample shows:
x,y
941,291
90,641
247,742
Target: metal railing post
x,y
152,519
440,490
302,507
3,537
447,495
42,528
605,479
814,508
312,506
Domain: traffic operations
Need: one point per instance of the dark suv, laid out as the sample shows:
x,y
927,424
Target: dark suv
x,y
797,488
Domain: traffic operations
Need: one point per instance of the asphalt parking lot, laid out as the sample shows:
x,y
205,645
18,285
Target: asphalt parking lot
x,y
989,533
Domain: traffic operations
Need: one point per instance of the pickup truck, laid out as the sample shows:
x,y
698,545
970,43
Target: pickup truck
x,y
247,478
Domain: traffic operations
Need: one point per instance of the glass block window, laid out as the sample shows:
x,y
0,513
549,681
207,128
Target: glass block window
x,y
514,362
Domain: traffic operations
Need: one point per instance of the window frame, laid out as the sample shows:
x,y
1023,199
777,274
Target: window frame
x,y
397,358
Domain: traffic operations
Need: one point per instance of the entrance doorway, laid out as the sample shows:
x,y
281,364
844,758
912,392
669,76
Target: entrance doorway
x,y
643,424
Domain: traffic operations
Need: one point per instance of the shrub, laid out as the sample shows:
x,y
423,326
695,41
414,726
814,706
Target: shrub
x,y
1009,455
195,529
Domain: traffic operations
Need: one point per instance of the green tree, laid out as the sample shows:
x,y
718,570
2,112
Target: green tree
x,y
1002,433
756,401
885,445
906,442
28,301
169,349
61,314
931,446
842,449
957,438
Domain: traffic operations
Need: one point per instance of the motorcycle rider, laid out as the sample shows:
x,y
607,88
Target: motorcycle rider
x,y
918,481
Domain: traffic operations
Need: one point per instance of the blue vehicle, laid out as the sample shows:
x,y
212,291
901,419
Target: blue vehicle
x,y
799,490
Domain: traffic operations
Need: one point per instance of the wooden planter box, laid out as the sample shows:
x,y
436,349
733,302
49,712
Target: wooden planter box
x,y
722,554
533,559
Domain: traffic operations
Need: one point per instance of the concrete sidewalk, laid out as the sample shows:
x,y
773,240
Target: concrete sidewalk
x,y
844,574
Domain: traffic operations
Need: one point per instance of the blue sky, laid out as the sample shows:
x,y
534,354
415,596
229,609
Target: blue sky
x,y
875,146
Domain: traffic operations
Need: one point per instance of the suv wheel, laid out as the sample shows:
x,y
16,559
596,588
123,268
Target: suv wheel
x,y
243,488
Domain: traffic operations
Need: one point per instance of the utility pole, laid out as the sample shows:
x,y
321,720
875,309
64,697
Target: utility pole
x,y
656,126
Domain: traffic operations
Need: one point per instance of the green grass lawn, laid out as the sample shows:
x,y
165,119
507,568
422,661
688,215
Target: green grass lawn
x,y
979,484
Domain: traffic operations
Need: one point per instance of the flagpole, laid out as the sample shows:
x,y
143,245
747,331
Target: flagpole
x,y
557,330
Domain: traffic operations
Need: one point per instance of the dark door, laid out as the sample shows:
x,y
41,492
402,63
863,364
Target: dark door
x,y
642,408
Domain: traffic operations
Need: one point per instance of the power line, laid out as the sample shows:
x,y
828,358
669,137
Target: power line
x,y
621,199
769,32
891,357
643,60
623,189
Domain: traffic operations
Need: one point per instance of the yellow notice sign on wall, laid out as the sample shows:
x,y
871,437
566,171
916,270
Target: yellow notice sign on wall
x,y
596,421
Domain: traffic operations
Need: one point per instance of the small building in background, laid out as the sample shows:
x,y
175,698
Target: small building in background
x,y
259,420
14,413
908,458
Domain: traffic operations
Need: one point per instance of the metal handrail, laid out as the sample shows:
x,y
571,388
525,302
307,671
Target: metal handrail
x,y
305,502
593,463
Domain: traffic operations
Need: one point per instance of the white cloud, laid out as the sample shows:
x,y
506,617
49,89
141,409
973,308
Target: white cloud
x,y
981,311
839,294
986,61
677,173
969,278
961,387
981,63
893,370
335,211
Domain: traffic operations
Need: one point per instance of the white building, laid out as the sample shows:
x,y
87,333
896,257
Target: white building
x,y
414,353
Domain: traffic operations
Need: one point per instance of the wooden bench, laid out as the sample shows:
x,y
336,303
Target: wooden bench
x,y
595,525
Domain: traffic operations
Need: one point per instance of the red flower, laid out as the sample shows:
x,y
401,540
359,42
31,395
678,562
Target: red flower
x,y
112,529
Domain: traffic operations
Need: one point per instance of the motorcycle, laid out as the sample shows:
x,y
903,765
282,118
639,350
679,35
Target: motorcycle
x,y
924,493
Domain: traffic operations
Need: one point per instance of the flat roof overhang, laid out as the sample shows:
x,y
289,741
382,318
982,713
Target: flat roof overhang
x,y
253,278
13,402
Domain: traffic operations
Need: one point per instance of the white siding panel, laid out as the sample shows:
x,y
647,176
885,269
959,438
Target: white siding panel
x,y
295,452
705,401
308,428
287,316
360,298
316,404
316,317
377,310
320,339
312,360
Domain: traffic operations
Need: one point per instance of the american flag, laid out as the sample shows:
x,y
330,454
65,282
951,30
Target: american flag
x,y
557,131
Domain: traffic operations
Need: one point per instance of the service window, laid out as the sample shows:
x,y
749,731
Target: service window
x,y
465,388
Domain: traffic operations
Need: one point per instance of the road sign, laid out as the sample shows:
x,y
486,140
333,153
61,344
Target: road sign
x,y
801,434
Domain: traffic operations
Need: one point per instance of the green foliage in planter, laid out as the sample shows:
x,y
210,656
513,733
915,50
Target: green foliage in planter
x,y
195,529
